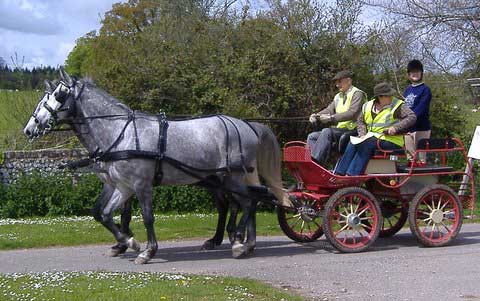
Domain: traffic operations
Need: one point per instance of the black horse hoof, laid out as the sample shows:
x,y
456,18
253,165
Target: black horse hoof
x,y
117,250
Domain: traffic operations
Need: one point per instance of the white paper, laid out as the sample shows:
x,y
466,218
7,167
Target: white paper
x,y
357,140
474,151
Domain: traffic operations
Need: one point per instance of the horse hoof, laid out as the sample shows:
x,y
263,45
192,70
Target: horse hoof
x,y
117,250
208,245
231,238
133,244
250,249
113,252
141,259
238,250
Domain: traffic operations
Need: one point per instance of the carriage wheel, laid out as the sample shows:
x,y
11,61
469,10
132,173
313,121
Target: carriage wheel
x,y
395,215
352,219
435,215
303,224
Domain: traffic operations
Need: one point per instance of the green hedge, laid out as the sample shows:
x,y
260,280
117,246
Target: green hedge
x,y
36,195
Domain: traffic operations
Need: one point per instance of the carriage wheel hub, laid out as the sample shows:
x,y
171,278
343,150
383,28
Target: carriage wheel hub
x,y
353,220
307,213
437,216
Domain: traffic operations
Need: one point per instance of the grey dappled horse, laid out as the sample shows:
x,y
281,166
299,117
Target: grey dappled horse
x,y
201,143
33,129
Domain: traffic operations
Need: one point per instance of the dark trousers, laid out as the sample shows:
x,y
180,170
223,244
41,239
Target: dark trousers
x,y
356,157
320,143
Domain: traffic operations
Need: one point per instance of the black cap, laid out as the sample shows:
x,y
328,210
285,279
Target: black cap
x,y
343,74
415,65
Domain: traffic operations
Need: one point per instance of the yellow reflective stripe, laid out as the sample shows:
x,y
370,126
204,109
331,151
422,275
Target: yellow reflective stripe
x,y
343,105
383,120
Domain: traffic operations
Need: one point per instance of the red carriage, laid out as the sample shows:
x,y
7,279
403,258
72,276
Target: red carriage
x,y
352,211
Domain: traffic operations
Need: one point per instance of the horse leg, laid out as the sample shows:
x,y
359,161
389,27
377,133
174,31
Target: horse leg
x,y
125,219
252,228
232,221
240,194
117,199
222,207
103,198
144,195
105,195
252,179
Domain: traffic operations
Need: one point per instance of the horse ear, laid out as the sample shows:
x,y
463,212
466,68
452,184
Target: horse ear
x,y
65,77
49,86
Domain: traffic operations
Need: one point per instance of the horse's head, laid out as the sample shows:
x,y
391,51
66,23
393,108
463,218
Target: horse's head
x,y
54,107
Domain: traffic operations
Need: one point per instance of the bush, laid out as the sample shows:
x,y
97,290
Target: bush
x,y
36,195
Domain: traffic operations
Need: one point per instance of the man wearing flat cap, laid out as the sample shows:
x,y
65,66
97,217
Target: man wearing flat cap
x,y
342,111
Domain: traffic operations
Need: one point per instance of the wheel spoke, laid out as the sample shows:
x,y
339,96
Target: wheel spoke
x,y
431,232
446,228
439,201
309,228
424,202
366,226
364,209
389,222
293,216
445,204
342,229
295,223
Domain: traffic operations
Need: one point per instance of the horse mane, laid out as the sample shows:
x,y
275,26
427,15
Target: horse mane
x,y
89,83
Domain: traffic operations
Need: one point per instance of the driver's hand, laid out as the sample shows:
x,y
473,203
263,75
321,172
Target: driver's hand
x,y
324,118
392,131
313,118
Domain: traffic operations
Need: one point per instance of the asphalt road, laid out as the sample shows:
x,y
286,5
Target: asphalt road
x,y
396,268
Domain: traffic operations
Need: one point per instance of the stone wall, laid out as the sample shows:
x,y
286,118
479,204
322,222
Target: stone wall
x,y
46,162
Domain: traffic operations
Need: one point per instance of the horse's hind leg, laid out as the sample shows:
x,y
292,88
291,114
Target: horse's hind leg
x,y
232,221
144,195
240,193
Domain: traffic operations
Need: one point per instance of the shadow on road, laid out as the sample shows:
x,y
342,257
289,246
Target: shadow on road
x,y
281,248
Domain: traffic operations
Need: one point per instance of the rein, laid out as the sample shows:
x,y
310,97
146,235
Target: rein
x,y
258,192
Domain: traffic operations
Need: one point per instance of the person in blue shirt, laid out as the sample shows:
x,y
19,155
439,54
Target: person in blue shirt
x,y
417,97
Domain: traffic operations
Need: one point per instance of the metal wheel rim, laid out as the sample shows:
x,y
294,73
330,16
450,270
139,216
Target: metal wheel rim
x,y
298,222
343,231
437,216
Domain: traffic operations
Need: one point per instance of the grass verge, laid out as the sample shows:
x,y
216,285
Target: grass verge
x,y
71,231
133,286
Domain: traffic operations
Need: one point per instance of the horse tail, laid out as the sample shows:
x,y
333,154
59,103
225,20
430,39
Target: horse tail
x,y
269,162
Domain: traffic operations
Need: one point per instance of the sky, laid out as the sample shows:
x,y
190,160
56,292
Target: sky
x,y
45,31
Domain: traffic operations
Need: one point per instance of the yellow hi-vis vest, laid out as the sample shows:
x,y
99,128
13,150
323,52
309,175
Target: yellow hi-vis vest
x,y
343,106
384,119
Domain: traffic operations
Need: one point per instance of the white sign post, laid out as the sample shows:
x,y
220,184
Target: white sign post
x,y
473,154
474,151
